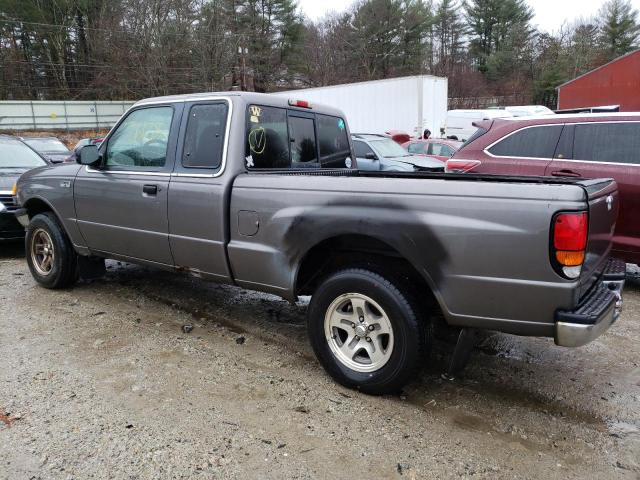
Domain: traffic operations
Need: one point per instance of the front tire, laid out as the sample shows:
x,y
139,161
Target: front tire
x,y
366,331
50,255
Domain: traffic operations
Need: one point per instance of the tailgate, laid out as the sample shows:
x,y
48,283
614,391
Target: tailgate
x,y
603,212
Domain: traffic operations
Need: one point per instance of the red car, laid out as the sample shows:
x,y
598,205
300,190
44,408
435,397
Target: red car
x,y
581,145
439,148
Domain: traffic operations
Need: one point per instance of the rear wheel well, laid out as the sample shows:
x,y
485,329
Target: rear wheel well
x,y
369,253
361,251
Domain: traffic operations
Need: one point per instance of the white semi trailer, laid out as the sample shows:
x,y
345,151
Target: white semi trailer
x,y
410,104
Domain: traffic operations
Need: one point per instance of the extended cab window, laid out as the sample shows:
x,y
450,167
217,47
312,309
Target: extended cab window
x,y
140,141
204,139
533,142
607,142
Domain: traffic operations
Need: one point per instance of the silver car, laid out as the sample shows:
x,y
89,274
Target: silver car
x,y
50,148
379,153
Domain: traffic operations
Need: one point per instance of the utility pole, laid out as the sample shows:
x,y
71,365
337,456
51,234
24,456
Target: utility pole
x,y
243,51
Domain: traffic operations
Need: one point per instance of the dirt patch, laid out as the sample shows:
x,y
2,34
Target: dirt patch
x,y
7,419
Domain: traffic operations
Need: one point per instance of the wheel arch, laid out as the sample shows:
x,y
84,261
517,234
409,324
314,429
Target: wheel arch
x,y
36,205
358,250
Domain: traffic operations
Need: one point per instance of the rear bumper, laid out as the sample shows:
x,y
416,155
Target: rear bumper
x,y
597,311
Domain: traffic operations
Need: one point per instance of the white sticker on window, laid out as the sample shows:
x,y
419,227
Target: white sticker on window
x,y
255,114
347,162
249,161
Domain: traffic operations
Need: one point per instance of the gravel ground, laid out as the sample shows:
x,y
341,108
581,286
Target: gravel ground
x,y
101,381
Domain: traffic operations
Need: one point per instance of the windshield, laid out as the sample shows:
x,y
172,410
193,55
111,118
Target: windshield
x,y
16,155
388,148
46,145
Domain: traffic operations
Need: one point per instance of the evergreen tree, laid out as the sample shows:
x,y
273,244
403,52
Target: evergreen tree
x,y
449,32
497,27
619,30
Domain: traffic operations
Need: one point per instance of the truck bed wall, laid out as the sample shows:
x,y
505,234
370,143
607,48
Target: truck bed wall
x,y
484,250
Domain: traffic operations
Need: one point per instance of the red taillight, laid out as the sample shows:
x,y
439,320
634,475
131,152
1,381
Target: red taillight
x,y
570,231
299,103
454,165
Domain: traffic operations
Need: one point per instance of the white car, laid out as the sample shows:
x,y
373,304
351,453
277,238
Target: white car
x,y
459,124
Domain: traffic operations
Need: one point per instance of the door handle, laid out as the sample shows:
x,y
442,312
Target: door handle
x,y
565,173
150,189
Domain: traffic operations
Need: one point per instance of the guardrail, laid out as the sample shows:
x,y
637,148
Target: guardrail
x,y
60,115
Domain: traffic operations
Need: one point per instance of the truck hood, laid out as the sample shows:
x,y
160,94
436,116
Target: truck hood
x,y
9,176
420,162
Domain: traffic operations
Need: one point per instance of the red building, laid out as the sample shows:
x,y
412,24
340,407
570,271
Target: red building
x,y
615,83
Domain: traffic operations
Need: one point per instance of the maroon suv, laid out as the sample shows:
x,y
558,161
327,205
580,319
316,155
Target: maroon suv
x,y
583,145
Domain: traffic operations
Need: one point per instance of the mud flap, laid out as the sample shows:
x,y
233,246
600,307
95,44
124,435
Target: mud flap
x,y
467,339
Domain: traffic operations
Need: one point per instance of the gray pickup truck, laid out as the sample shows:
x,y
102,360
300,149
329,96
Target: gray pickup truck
x,y
264,193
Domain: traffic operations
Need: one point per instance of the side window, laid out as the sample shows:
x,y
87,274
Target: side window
x,y
608,142
267,138
361,149
565,144
334,142
534,142
436,149
447,151
204,138
416,148
140,141
302,137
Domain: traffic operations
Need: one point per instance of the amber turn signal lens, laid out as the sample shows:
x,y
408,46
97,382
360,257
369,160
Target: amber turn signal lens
x,y
14,189
570,259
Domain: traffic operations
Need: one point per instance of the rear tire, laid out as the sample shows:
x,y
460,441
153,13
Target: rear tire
x,y
366,331
51,258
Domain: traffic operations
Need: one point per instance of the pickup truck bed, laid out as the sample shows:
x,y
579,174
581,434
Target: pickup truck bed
x,y
378,252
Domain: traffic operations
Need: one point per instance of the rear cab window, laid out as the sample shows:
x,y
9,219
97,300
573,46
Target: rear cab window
x,y
281,138
302,138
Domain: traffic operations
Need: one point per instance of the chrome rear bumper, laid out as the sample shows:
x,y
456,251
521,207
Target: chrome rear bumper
x,y
596,313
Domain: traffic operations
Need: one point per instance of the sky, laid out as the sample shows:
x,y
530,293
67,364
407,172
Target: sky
x,y
550,14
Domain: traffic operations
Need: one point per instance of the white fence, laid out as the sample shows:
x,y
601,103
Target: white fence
x,y
60,115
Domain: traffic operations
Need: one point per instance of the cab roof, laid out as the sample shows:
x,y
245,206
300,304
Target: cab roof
x,y
247,98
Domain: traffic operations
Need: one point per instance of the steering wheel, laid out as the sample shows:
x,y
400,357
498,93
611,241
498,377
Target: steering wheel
x,y
148,147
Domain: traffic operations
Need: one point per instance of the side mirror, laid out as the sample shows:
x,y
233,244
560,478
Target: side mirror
x,y
88,155
371,156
